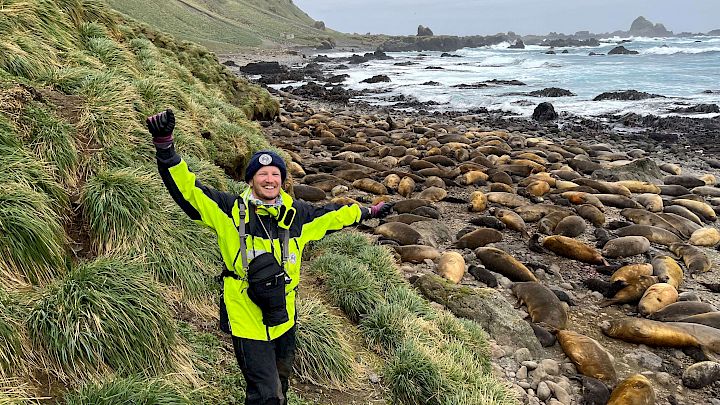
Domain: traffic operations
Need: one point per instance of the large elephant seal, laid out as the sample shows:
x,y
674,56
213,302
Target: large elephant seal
x,y
402,233
656,297
572,249
512,220
695,259
652,233
406,186
631,271
711,319
501,262
507,199
667,270
478,238
681,310
698,208
631,293
643,217
648,332
634,390
543,305
591,213
590,358
451,266
571,226
626,246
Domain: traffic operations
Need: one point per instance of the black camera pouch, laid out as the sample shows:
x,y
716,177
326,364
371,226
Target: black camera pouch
x,y
267,288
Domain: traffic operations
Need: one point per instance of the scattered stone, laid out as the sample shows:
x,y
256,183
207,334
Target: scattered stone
x,y
550,366
543,391
521,355
531,365
522,373
544,112
701,374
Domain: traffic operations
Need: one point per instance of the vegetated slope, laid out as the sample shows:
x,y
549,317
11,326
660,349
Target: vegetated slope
x,y
228,25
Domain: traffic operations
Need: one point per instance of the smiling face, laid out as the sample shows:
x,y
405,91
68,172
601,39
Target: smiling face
x,y
266,184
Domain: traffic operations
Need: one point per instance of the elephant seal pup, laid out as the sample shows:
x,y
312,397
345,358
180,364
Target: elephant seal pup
x,y
652,233
634,390
406,187
651,333
483,275
631,271
512,220
681,310
417,253
626,246
478,201
451,266
550,221
545,338
572,249
695,259
591,213
651,202
406,206
608,290
705,237
308,193
543,305
590,358
594,391
404,234
570,226
535,212
632,292
667,270
488,222
503,263
507,199
371,186
433,194
406,218
617,201
478,238
656,297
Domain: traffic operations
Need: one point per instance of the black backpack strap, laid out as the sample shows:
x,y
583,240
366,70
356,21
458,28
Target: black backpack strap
x,y
241,235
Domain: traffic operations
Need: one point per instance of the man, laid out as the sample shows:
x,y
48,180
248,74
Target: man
x,y
261,235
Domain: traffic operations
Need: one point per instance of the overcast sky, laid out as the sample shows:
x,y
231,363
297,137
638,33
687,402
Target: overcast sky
x,y
482,17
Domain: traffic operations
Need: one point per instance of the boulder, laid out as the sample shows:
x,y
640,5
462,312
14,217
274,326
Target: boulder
x,y
319,25
626,95
485,306
701,374
544,112
433,233
263,68
621,50
698,109
377,79
424,31
517,45
551,92
641,27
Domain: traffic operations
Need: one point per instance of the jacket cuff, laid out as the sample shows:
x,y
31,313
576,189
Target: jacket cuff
x,y
167,157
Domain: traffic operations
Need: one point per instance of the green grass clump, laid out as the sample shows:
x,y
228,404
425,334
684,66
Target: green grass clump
x,y
387,327
18,165
350,284
324,355
342,243
405,297
52,140
381,266
130,390
105,314
10,344
412,376
33,241
7,133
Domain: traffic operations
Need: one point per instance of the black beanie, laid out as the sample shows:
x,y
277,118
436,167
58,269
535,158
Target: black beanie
x,y
265,158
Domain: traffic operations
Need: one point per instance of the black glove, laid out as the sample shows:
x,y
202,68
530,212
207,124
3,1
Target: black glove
x,y
380,210
161,128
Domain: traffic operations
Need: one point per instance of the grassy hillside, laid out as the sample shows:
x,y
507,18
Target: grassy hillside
x,y
226,25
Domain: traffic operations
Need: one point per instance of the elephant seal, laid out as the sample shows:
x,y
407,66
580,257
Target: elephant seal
x,y
404,234
651,202
673,190
652,233
683,212
695,259
545,338
711,319
572,249
406,218
535,212
705,237
483,275
643,217
631,271
371,186
433,194
543,305
656,297
478,201
406,187
507,199
590,358
667,270
626,246
631,293
503,263
512,220
594,391
688,182
550,221
617,201
604,187
636,186
570,226
488,222
451,266
591,213
698,208
392,181
478,238
406,206
634,390
605,288
417,253
680,310
683,226
308,193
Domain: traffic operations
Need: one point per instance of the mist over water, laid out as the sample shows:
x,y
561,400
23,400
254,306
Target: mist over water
x,y
681,69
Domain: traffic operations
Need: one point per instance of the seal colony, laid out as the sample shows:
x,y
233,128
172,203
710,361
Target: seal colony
x,y
530,209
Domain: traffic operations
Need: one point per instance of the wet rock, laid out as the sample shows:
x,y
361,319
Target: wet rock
x,y
423,31
640,169
621,50
551,92
626,95
701,374
517,45
544,112
550,366
698,109
522,373
263,68
377,79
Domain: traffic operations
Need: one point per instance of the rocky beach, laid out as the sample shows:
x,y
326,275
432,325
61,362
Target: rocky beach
x,y
541,194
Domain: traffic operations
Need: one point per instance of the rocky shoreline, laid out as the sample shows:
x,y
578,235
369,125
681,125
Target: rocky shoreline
x,y
335,145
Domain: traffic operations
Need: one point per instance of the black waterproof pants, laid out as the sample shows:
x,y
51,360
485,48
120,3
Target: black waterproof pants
x,y
266,366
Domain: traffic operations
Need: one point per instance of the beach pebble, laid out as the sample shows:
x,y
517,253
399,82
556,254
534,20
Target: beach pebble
x,y
543,391
644,359
560,393
567,286
522,354
663,378
531,365
522,373
550,366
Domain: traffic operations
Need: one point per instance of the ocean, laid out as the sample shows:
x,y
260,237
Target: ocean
x,y
684,70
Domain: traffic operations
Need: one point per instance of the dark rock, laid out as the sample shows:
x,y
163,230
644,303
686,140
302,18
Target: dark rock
x,y
434,68
377,55
551,92
550,52
621,50
564,43
565,51
408,63
338,78
699,109
641,27
377,79
544,112
357,59
431,83
263,68
230,63
326,43
423,31
469,86
626,95
448,55
596,54
517,45
505,82
322,59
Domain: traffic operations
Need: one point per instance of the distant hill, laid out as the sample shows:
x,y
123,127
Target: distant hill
x,y
228,25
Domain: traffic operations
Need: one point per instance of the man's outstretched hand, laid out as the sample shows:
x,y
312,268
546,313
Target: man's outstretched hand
x,y
380,210
161,128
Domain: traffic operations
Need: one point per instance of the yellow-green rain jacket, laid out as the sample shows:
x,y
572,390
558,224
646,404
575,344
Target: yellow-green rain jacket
x,y
219,211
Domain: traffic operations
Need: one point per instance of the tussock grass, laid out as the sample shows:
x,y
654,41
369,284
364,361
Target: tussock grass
x,y
207,173
10,343
130,390
381,265
405,297
350,284
17,165
341,243
387,327
104,315
33,242
7,133
52,140
14,391
412,376
324,356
